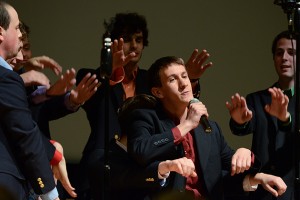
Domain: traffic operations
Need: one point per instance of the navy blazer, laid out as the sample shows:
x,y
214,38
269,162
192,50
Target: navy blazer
x,y
22,152
150,138
95,108
271,142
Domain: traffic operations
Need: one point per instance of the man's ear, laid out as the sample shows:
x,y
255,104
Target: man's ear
x,y
1,34
156,92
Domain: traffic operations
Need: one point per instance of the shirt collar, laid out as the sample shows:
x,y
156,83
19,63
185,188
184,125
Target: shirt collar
x,y
4,64
289,92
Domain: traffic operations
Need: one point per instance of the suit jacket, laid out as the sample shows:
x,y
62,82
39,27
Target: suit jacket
x,y
128,180
22,152
271,142
150,138
95,107
46,111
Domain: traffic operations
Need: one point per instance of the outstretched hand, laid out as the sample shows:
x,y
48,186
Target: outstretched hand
x,y
238,109
33,77
196,66
119,57
279,104
84,90
64,84
39,63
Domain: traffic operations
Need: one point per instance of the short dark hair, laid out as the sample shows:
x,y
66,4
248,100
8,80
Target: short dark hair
x,y
126,24
161,63
284,34
4,15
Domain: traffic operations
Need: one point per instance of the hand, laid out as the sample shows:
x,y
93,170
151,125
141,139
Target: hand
x,y
241,161
195,65
183,166
274,184
279,104
85,89
64,84
33,77
119,57
38,63
61,174
238,109
195,111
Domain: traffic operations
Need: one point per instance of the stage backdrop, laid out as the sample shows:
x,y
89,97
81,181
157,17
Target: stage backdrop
x,y
237,34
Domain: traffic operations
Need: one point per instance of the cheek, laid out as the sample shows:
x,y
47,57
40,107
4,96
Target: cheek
x,y
126,48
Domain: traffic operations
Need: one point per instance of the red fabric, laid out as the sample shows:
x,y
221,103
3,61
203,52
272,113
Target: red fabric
x,y
56,157
193,184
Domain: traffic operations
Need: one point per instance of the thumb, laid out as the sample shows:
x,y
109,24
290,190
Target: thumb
x,y
267,108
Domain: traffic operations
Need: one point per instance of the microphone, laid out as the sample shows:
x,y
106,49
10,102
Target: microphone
x,y
106,57
203,119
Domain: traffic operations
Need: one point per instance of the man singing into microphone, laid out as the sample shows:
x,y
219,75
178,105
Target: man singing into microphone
x,y
172,130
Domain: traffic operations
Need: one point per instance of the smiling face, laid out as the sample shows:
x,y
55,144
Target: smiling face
x,y
284,61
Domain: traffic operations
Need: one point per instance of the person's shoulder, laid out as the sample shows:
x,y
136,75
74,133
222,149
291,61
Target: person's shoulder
x,y
83,71
7,74
263,92
142,71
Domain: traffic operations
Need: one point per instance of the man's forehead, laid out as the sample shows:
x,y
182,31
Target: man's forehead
x,y
133,35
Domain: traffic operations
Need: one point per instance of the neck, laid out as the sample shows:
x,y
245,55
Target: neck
x,y
177,113
286,84
129,68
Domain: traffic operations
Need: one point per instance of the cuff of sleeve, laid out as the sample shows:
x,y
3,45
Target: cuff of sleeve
x,y
163,176
240,126
286,123
177,136
53,194
247,186
252,158
71,106
56,158
117,76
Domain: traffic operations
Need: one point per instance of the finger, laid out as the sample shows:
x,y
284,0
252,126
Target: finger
x,y
271,190
120,45
84,80
114,46
207,66
233,166
69,189
193,56
203,57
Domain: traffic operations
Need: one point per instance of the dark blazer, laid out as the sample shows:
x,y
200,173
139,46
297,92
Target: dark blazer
x,y
128,180
95,112
52,109
95,107
271,142
150,138
46,111
22,152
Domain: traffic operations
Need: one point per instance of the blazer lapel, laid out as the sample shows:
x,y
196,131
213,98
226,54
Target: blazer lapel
x,y
203,141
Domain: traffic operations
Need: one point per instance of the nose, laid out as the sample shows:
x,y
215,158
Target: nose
x,y
133,43
183,82
285,55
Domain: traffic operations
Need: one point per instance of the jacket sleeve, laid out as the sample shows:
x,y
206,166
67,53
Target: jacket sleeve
x,y
23,134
